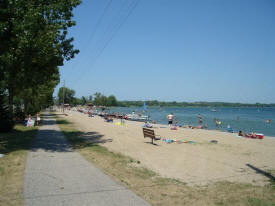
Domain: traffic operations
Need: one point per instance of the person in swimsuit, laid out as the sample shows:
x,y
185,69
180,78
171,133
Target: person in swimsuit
x,y
170,119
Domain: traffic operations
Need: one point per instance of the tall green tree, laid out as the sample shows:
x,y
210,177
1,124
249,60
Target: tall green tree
x,y
6,121
111,101
34,42
83,100
90,98
98,99
67,94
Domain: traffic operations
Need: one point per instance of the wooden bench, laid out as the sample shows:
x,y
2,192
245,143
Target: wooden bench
x,y
150,133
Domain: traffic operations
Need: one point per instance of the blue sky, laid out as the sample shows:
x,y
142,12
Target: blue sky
x,y
174,50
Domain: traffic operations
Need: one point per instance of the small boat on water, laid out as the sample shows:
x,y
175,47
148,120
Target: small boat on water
x,y
213,110
137,117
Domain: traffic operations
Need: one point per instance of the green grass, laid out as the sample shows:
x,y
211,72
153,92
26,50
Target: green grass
x,y
14,145
18,139
259,202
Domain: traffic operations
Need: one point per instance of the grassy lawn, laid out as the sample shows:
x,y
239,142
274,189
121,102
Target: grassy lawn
x,y
164,191
14,145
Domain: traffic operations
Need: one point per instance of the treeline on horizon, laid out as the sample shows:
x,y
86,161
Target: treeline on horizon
x,y
68,96
155,103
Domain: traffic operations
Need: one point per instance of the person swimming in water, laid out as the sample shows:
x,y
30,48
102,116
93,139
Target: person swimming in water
x,y
200,118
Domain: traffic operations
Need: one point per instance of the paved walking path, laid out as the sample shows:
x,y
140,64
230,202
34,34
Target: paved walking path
x,y
57,175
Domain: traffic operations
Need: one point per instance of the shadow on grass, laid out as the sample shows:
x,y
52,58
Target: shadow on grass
x,y
77,139
20,138
47,120
262,172
59,121
53,114
80,140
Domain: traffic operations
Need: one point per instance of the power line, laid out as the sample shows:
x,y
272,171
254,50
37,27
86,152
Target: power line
x,y
94,50
110,33
117,19
92,35
116,29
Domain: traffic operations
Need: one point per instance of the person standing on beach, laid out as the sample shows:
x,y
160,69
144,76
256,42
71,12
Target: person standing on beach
x,y
170,119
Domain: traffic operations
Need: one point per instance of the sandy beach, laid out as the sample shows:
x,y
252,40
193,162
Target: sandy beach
x,y
232,158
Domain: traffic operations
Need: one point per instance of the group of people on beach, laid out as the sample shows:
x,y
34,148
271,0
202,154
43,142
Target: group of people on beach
x,y
170,118
252,135
200,125
218,123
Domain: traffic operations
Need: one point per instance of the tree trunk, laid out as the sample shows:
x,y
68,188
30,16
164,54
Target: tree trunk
x,y
25,106
10,90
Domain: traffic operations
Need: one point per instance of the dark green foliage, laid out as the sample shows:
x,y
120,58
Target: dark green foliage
x,y
111,101
19,115
101,100
67,94
83,100
6,121
34,42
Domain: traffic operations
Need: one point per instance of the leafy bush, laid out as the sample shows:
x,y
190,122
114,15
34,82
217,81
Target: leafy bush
x,y
19,114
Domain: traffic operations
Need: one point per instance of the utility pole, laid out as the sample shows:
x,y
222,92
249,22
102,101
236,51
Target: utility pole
x,y
63,95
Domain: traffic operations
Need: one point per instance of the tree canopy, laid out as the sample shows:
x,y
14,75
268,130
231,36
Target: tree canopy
x,y
97,99
67,95
34,43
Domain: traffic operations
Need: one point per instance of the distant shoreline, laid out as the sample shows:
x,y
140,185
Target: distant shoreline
x,y
202,106
155,103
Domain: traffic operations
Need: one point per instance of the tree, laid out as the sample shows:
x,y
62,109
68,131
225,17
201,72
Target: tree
x,y
6,122
111,101
90,99
98,99
83,100
34,42
67,94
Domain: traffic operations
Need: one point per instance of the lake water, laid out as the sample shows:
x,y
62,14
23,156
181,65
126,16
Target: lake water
x,y
245,119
